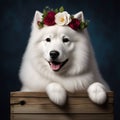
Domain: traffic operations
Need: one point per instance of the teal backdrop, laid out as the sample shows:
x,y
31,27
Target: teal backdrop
x,y
15,25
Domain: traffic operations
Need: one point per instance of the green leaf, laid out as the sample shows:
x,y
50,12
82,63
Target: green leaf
x,y
72,16
86,23
56,10
41,25
82,25
44,12
61,9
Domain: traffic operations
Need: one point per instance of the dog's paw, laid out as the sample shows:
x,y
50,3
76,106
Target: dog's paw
x,y
97,93
56,93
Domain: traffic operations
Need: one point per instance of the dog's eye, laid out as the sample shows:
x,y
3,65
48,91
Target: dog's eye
x,y
48,39
65,40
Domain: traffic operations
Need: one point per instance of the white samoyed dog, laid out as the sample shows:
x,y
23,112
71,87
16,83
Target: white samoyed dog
x,y
58,60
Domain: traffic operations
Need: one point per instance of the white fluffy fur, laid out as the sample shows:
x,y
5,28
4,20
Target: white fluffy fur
x,y
56,93
79,73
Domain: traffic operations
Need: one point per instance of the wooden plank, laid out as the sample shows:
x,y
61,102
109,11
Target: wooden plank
x,y
72,100
36,102
52,108
28,94
37,106
18,96
40,94
62,117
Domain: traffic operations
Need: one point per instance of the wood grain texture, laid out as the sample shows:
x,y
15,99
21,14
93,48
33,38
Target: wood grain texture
x,y
37,106
40,94
61,117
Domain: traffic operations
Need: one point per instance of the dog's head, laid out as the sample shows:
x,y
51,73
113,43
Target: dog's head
x,y
59,48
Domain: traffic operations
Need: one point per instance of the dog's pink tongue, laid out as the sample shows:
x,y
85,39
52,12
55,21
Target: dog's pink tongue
x,y
55,67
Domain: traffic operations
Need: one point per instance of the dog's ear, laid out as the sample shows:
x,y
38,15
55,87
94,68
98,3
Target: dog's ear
x,y
79,16
37,18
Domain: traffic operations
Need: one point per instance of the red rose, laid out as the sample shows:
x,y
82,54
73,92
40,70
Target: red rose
x,y
74,24
49,19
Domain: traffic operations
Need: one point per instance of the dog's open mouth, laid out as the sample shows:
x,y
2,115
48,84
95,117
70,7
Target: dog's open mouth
x,y
56,66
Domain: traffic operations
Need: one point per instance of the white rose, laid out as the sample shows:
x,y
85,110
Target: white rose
x,y
62,18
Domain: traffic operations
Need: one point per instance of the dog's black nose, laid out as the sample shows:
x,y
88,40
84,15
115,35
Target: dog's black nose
x,y
54,54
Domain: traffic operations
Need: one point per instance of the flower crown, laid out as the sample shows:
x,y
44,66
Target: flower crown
x,y
60,17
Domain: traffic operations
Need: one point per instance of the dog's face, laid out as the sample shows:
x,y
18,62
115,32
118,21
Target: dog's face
x,y
57,45
60,48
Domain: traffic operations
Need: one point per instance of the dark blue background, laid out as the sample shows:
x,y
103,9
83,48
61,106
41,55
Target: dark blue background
x,y
15,23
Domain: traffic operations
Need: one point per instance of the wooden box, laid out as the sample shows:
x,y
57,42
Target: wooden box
x,y
37,106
